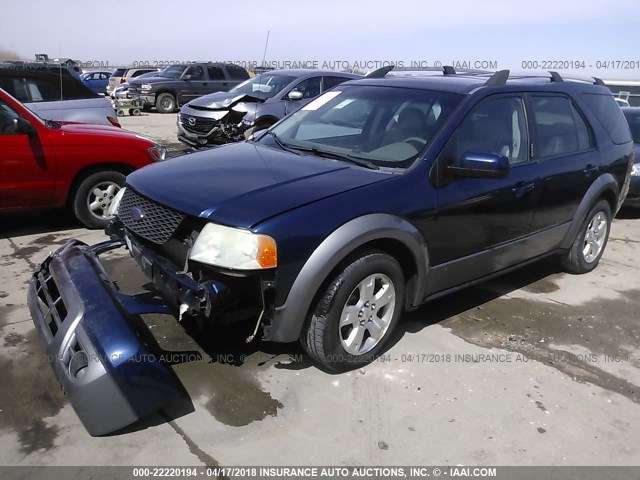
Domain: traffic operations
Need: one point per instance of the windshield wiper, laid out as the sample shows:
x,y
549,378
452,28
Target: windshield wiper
x,y
282,144
338,156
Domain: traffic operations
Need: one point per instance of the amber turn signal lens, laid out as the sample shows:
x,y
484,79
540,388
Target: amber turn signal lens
x,y
267,252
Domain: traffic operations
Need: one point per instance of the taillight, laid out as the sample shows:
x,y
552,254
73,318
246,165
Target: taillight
x,y
114,121
123,80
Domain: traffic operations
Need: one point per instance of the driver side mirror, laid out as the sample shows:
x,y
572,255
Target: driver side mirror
x,y
21,125
474,164
294,95
186,77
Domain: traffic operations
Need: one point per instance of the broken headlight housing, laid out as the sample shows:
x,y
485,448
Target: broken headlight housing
x,y
234,248
158,153
115,203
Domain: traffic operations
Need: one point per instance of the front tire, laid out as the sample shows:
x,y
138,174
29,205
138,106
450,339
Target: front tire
x,y
93,196
354,316
166,103
589,245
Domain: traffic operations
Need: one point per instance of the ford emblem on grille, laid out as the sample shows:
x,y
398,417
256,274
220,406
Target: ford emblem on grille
x,y
192,121
137,214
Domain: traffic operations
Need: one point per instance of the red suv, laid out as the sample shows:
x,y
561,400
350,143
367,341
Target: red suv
x,y
45,164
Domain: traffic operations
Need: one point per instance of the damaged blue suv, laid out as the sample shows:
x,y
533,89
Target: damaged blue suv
x,y
371,200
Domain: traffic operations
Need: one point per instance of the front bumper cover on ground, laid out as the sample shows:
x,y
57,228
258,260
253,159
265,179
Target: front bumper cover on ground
x,y
104,358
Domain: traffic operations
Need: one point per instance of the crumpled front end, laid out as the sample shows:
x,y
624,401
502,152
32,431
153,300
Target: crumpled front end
x,y
102,354
201,126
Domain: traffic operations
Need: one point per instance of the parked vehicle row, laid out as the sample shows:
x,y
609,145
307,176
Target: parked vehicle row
x,y
124,75
372,199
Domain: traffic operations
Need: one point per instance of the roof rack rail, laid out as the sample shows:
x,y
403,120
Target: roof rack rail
x,y
380,72
446,70
498,79
598,81
555,77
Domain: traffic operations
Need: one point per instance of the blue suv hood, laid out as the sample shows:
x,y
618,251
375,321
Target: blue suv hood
x,y
242,184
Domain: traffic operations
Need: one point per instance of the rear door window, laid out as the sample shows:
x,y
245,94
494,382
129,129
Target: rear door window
x,y
41,91
215,73
330,82
556,129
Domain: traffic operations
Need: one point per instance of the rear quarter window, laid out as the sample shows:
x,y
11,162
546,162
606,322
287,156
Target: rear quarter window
x,y
610,116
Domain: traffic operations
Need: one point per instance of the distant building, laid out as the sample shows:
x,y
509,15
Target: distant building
x,y
67,62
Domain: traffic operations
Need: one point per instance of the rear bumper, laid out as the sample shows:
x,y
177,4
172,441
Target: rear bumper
x,y
104,358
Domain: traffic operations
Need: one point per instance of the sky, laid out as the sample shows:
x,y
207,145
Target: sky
x,y
569,36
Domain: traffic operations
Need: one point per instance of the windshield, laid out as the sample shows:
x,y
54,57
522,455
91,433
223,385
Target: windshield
x,y
174,71
387,126
633,119
264,86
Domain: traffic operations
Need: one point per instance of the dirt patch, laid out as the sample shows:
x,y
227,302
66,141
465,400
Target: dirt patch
x,y
30,393
537,329
51,239
13,339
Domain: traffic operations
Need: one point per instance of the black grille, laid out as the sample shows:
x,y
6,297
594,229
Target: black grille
x,y
147,218
197,124
50,302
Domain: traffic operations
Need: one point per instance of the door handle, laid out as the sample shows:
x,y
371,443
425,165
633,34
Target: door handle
x,y
522,188
590,170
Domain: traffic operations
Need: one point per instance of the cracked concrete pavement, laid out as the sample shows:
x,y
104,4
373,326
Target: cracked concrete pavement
x,y
534,368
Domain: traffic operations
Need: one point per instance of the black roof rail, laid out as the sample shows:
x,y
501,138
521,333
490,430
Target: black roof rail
x,y
380,72
598,81
498,79
555,77
448,70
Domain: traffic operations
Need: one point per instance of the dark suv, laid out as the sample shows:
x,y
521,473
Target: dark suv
x,y
369,201
178,84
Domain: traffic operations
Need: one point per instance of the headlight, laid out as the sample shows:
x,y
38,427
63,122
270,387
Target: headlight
x,y
234,248
635,170
158,153
115,203
145,87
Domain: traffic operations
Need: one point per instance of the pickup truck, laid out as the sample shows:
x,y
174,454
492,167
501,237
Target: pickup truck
x,y
178,84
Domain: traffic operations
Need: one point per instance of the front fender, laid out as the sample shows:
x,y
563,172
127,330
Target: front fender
x,y
289,318
605,186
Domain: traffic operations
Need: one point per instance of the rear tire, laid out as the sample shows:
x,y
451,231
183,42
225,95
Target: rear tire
x,y
354,316
166,103
589,245
94,194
